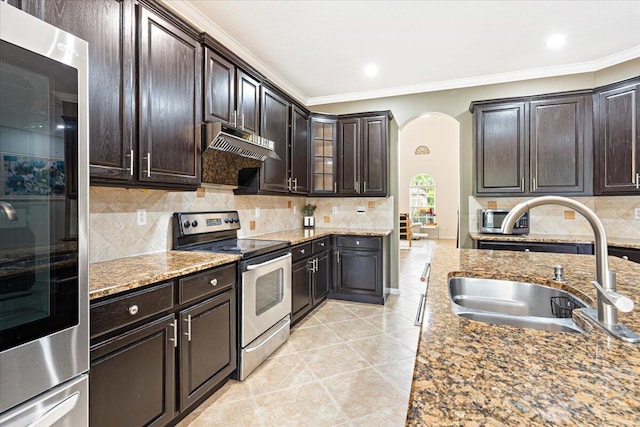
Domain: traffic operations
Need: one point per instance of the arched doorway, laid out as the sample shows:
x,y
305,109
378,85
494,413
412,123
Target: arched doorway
x,y
430,144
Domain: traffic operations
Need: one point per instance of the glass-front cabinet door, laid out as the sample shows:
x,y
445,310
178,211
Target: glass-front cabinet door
x,y
323,149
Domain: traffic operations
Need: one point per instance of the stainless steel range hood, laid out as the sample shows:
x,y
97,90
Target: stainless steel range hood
x,y
222,137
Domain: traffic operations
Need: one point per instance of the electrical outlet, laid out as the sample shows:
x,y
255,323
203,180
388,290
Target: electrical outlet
x,y
142,216
637,213
257,213
334,210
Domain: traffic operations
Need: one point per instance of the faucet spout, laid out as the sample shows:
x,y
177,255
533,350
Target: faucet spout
x,y
608,298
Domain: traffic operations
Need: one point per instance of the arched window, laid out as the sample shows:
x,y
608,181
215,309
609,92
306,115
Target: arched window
x,y
422,199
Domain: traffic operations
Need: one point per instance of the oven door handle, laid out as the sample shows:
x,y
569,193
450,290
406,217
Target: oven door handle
x,y
272,261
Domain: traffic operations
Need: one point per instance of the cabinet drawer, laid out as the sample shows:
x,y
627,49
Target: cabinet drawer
x,y
115,313
358,242
208,283
320,245
301,251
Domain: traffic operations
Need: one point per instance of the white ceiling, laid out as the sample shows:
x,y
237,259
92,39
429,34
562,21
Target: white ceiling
x,y
317,50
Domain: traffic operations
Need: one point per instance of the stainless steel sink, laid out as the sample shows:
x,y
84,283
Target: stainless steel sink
x,y
520,304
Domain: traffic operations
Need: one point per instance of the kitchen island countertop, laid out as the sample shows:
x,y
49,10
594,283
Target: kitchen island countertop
x,y
470,373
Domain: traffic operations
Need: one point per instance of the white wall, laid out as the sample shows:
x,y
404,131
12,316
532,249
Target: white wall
x,y
441,134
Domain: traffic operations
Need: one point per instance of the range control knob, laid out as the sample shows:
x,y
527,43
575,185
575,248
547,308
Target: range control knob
x,y
186,224
194,223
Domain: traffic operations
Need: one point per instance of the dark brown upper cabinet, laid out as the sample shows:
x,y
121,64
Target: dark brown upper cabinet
x,y
617,138
219,88
275,126
560,145
299,149
170,64
363,154
531,146
248,102
108,27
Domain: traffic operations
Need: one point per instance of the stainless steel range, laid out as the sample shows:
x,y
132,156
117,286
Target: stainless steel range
x,y
264,290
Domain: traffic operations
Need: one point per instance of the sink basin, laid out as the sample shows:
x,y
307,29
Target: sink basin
x,y
520,304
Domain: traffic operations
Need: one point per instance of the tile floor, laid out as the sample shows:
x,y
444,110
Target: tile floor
x,y
345,364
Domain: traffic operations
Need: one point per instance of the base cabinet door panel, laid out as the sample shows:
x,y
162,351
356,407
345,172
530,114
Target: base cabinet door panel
x,y
207,347
301,289
322,277
358,272
131,380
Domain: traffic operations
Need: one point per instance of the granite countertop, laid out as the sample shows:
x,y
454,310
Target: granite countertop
x,y
554,238
301,235
123,274
471,373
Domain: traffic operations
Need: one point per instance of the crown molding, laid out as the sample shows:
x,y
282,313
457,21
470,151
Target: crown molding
x,y
193,16
536,73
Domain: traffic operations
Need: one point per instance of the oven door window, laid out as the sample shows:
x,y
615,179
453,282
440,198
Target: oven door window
x,y
38,196
269,291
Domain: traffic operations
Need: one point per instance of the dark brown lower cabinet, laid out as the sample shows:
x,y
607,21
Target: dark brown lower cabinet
x,y
158,351
321,278
301,300
630,254
361,269
559,248
131,379
207,346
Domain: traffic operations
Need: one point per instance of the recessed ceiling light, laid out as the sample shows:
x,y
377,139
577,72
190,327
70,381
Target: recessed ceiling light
x,y
556,41
371,70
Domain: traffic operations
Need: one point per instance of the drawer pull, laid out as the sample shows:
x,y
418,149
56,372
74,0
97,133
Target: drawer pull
x,y
301,251
625,257
133,310
188,333
214,282
357,242
322,244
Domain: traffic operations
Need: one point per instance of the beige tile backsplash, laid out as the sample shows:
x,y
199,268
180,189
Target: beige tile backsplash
x,y
617,215
114,232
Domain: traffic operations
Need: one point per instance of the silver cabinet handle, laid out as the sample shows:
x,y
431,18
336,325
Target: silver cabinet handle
x,y
625,257
311,266
357,187
420,313
148,159
301,251
188,333
133,310
242,125
533,184
322,244
295,184
213,282
338,257
527,250
357,242
637,180
235,118
131,162
335,187
522,185
175,333
426,272
365,186
316,262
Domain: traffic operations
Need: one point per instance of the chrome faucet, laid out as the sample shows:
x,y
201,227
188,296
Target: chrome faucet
x,y
609,301
8,210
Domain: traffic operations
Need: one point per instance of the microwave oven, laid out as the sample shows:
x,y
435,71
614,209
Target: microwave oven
x,y
490,221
